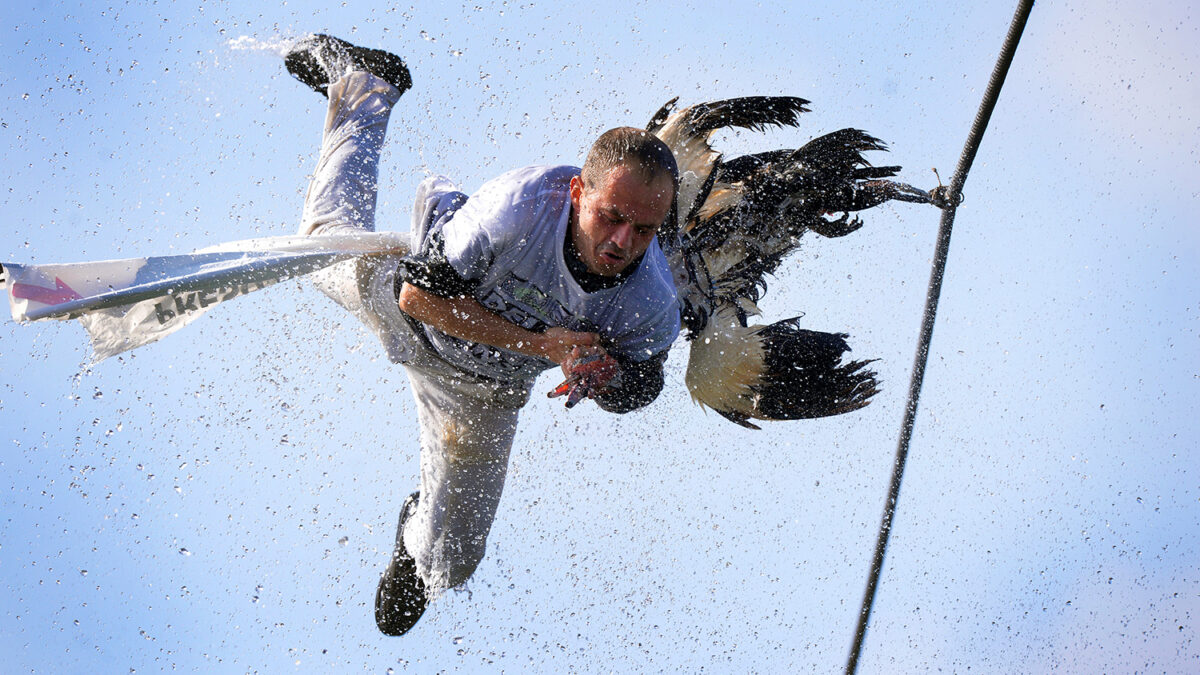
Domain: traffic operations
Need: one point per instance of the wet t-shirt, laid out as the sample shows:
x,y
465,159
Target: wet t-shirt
x,y
508,240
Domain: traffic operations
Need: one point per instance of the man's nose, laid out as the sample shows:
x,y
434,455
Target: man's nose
x,y
623,236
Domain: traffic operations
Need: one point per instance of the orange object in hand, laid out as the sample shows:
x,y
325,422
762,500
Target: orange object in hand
x,y
588,375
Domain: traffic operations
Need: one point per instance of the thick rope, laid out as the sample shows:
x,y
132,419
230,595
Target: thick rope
x,y
931,301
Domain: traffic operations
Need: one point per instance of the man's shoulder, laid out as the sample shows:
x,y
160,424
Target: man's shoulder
x,y
517,202
656,276
649,293
530,181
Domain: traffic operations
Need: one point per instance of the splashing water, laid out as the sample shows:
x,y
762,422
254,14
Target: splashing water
x,y
276,46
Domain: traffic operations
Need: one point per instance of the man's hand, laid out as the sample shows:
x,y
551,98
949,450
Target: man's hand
x,y
559,344
585,363
589,370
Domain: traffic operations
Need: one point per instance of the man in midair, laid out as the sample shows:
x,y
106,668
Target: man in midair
x,y
543,266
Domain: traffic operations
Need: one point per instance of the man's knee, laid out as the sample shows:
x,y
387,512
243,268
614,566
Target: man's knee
x,y
436,198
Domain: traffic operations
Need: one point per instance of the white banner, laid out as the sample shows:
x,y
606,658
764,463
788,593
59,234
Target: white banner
x,y
128,303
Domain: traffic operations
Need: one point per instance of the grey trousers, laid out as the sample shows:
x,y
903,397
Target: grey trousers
x,y
467,423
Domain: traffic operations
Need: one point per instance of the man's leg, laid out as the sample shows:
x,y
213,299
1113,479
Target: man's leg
x,y
467,431
341,195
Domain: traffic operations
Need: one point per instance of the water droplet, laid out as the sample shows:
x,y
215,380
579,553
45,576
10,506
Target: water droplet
x,y
24,97
98,395
184,551
344,540
83,573
458,640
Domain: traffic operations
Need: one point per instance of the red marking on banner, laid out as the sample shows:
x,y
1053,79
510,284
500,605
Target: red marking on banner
x,y
47,296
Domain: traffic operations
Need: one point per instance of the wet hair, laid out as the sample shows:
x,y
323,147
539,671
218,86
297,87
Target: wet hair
x,y
639,150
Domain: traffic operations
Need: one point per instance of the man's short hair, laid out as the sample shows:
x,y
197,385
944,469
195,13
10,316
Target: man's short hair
x,y
635,148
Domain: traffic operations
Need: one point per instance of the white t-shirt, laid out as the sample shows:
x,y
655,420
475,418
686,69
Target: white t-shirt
x,y
508,238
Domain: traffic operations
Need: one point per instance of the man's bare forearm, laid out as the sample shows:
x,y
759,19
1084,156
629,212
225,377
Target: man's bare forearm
x,y
464,317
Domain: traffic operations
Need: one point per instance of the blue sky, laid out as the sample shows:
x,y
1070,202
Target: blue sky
x,y
224,500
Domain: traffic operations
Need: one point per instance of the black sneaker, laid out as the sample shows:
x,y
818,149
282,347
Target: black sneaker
x,y
318,60
400,600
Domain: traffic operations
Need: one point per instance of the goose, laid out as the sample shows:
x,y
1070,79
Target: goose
x,y
734,223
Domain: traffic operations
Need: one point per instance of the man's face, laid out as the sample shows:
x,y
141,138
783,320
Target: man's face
x,y
614,222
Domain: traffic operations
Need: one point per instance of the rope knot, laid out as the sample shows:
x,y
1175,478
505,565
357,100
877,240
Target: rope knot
x,y
942,198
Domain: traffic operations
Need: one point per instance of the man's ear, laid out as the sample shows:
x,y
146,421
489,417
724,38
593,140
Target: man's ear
x,y
576,192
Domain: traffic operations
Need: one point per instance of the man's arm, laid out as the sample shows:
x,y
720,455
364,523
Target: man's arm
x,y
464,317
